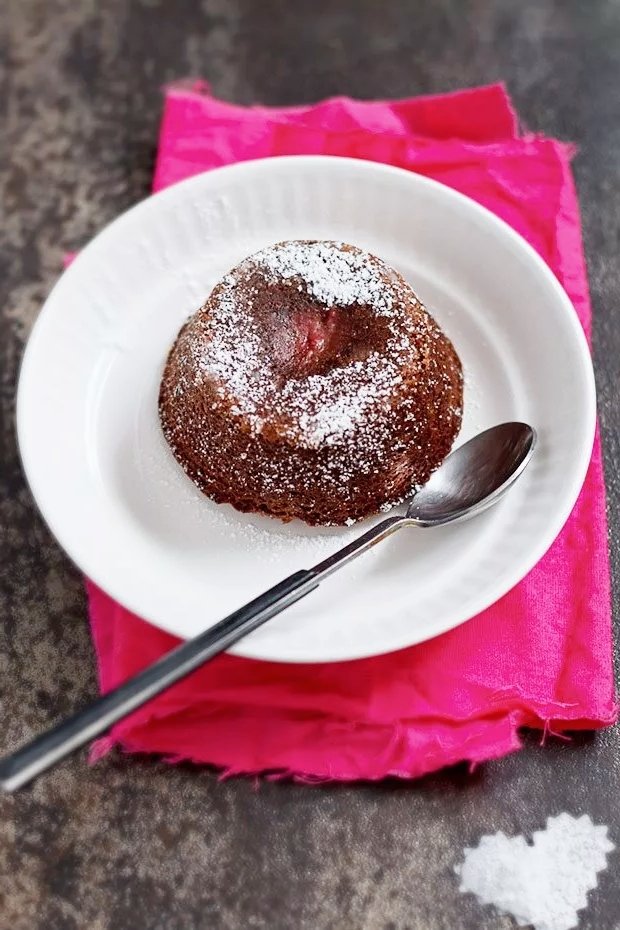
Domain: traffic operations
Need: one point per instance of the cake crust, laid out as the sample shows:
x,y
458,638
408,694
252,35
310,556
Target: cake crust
x,y
313,384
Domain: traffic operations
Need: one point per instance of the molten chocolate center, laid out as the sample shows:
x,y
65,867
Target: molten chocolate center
x,y
302,337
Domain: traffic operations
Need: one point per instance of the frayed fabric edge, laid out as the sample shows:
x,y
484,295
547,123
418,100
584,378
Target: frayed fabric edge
x,y
484,751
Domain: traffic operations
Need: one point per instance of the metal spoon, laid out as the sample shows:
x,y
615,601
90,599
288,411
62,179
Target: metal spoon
x,y
471,479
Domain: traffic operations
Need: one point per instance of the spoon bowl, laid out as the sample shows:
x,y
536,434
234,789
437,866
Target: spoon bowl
x,y
475,476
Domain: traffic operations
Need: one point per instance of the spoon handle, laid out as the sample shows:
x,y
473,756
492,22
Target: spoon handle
x,y
362,544
45,750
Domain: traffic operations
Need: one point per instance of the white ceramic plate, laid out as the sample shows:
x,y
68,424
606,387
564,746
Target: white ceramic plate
x,y
125,512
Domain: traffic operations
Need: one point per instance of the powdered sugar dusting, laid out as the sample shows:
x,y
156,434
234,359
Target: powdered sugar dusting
x,y
335,405
543,884
323,408
333,275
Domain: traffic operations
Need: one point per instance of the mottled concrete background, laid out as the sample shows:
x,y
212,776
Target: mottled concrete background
x,y
136,844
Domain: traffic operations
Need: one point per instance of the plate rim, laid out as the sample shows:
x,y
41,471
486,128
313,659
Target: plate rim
x,y
521,568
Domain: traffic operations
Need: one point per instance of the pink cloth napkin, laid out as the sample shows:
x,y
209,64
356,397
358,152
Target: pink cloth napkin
x,y
540,657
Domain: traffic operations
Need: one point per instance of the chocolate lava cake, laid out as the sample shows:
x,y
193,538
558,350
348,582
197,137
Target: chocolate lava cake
x,y
312,383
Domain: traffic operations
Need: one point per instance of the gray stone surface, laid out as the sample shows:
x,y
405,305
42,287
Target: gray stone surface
x,y
136,844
